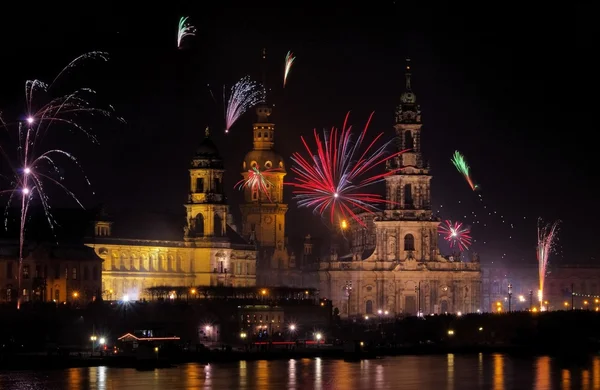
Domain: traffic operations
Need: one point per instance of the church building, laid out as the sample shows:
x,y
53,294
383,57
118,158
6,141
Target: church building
x,y
394,263
210,253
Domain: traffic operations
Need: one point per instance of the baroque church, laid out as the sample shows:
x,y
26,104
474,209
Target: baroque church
x,y
210,253
394,263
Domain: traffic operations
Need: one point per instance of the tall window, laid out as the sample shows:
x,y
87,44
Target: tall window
x,y
217,185
199,225
218,225
74,273
408,198
408,140
199,184
409,242
25,271
369,307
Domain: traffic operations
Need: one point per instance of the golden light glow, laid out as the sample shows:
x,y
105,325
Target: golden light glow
x,y
344,224
498,303
193,291
535,309
450,332
585,302
263,291
75,294
499,309
566,304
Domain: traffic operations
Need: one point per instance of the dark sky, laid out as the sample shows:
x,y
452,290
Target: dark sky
x,y
508,87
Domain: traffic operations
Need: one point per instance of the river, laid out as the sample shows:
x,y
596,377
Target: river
x,y
482,371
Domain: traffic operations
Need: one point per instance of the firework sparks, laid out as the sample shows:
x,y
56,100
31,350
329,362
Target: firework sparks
x,y
38,166
456,234
332,178
257,181
461,164
185,30
245,94
546,239
289,61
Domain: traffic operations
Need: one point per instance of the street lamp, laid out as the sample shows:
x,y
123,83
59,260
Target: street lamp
x,y
509,296
93,340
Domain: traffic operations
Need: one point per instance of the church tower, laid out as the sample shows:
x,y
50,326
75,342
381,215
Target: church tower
x,y
409,190
263,212
206,207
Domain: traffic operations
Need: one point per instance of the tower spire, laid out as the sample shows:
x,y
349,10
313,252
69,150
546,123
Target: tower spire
x,y
207,132
407,74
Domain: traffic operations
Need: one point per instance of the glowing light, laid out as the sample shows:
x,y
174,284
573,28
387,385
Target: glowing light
x,y
331,177
319,336
245,94
450,333
30,120
125,298
289,61
263,291
25,191
292,327
102,341
185,29
27,171
344,224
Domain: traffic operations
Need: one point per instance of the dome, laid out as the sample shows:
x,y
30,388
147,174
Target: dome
x,y
207,150
266,159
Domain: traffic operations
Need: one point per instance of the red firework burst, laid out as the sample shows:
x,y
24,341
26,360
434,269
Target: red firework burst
x,y
333,178
456,234
257,181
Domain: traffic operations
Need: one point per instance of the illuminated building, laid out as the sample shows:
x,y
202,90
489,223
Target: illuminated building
x,y
394,262
210,254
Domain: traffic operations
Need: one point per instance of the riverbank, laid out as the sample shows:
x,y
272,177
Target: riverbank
x,y
22,362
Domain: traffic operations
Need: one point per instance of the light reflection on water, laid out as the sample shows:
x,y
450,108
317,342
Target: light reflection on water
x,y
450,371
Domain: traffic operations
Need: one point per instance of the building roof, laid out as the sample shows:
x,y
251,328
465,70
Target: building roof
x,y
207,150
9,250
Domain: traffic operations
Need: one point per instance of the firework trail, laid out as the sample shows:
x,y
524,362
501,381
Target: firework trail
x,y
245,94
185,29
38,166
545,245
456,234
256,181
289,61
212,95
461,164
334,176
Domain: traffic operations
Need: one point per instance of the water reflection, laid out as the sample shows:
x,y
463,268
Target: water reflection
x,y
450,369
292,374
242,380
565,379
498,371
542,373
462,372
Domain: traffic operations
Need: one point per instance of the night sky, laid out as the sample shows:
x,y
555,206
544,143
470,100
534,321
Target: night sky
x,y
509,88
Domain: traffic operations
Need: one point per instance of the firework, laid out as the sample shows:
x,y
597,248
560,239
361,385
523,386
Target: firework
x,y
245,94
39,166
456,234
185,29
334,177
545,245
461,164
257,181
289,61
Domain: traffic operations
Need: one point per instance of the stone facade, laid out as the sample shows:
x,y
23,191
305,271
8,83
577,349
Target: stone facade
x,y
211,252
395,264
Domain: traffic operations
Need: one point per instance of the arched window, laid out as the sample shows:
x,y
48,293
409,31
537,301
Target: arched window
x,y
408,140
199,184
259,134
218,225
409,242
199,228
408,199
268,165
369,307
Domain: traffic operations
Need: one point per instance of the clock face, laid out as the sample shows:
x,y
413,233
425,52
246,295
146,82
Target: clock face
x,y
268,219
